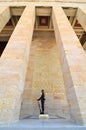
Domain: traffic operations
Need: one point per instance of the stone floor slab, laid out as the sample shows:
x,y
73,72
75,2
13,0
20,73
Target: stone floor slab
x,y
36,124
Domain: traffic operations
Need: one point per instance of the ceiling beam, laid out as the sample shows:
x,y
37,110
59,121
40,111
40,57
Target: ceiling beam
x,y
74,21
13,22
4,16
81,17
43,11
70,12
78,30
16,11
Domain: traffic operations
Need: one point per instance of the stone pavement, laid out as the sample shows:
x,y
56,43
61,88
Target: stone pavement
x,y
36,124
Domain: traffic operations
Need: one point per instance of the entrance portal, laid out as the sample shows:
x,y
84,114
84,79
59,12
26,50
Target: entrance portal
x,y
44,72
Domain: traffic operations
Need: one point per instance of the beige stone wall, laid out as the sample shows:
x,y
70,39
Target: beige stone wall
x,y
44,72
47,73
43,1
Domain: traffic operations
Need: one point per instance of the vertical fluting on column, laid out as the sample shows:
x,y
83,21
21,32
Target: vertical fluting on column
x,y
13,67
73,62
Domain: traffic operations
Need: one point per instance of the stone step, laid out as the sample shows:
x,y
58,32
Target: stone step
x,y
43,116
36,124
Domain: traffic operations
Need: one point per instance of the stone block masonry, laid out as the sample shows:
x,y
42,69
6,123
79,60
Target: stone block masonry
x,y
44,72
13,66
15,59
73,62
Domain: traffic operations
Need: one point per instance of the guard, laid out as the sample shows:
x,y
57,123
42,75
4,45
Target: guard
x,y
42,99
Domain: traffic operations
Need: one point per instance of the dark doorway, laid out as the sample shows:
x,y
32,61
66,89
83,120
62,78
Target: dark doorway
x,y
2,47
43,20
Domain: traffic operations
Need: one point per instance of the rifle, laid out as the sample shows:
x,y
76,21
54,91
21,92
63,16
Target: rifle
x,y
39,107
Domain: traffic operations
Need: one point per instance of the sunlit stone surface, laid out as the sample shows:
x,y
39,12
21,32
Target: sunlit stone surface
x,y
44,72
13,66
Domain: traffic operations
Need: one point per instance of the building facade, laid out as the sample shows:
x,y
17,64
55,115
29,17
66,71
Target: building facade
x,y
42,46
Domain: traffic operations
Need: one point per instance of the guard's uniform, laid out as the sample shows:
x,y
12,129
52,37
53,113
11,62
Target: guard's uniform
x,y
42,98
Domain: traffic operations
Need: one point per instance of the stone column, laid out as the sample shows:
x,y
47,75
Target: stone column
x,y
73,63
4,16
13,66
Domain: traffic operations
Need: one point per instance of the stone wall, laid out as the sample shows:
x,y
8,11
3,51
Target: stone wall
x,y
43,1
44,72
